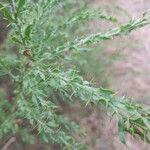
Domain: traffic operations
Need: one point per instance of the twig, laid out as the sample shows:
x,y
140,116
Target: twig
x,y
9,142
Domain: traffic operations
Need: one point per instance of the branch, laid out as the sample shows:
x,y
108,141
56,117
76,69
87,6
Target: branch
x,y
99,37
9,142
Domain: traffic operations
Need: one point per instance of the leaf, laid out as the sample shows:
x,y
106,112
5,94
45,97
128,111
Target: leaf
x,y
121,132
63,83
54,83
21,3
15,39
42,76
1,6
106,92
9,1
142,135
28,31
6,13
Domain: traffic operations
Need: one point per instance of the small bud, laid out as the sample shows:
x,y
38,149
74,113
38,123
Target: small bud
x,y
27,53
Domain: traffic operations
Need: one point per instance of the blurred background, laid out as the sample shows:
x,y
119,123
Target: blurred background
x,y
122,64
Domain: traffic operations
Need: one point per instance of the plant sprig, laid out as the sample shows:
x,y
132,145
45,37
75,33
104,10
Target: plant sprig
x,y
42,79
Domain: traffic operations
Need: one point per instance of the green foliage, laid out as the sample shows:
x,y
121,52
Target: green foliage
x,y
47,35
